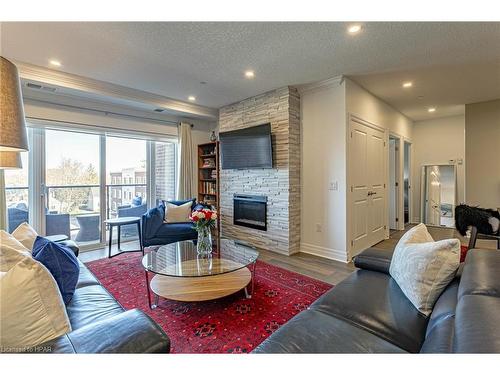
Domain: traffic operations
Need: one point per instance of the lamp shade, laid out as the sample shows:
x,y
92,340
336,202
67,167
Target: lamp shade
x,y
10,160
12,124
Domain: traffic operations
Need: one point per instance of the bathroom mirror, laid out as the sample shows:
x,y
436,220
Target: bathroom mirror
x,y
438,195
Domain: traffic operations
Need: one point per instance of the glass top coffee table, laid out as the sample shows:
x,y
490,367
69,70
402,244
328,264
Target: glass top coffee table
x,y
181,274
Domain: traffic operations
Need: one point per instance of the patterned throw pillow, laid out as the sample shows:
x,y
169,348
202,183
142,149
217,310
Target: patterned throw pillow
x,y
423,268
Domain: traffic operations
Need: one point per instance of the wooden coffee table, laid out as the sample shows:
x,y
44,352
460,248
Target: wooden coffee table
x,y
181,275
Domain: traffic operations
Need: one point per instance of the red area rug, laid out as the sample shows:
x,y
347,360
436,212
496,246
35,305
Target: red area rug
x,y
232,324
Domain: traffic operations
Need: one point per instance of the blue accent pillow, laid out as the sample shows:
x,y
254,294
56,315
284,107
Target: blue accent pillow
x,y
61,262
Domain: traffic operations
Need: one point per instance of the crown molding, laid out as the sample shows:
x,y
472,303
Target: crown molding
x,y
330,82
116,93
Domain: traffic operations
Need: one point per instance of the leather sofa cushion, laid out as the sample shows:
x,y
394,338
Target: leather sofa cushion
x,y
91,304
481,273
86,277
477,324
374,302
440,338
445,306
315,332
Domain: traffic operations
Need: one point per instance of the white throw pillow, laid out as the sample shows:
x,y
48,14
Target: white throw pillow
x,y
25,234
10,250
31,306
177,214
424,268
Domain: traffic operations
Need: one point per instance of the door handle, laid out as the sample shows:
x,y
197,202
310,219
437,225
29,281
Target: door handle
x,y
371,193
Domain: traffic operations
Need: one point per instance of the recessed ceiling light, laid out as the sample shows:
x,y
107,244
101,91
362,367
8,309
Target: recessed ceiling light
x,y
432,109
249,74
55,63
407,84
191,98
354,29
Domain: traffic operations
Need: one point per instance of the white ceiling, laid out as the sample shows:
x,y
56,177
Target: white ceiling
x,y
451,64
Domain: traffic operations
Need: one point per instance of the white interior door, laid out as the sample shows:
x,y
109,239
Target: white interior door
x,y
368,198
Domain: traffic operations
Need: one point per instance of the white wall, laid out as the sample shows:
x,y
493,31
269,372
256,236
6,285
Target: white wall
x,y
367,106
482,150
324,111
436,142
323,143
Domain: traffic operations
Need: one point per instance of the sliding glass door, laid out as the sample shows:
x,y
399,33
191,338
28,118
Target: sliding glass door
x,y
73,180
126,180
72,162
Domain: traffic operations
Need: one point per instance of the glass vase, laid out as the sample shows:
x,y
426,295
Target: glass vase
x,y
204,243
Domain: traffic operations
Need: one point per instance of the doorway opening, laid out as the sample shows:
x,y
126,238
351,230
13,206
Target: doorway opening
x,y
394,187
406,182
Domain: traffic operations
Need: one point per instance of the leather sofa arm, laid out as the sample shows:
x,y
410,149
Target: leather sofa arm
x,y
374,260
129,332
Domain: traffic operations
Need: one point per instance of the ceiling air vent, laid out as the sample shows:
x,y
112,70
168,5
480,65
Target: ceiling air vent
x,y
159,110
33,86
36,86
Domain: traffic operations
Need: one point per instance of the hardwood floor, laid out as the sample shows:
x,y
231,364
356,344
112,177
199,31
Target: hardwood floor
x,y
323,269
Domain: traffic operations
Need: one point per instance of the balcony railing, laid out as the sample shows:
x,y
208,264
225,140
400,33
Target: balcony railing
x,y
78,208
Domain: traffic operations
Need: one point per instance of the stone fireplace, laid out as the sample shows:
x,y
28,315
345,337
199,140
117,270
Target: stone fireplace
x,y
280,186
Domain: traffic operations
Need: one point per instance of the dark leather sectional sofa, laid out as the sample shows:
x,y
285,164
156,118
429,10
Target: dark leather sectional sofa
x,y
368,313
101,325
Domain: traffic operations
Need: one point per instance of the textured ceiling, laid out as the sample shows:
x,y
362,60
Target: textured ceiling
x,y
450,63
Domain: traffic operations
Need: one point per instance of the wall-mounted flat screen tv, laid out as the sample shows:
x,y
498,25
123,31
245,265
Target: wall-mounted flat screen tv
x,y
248,148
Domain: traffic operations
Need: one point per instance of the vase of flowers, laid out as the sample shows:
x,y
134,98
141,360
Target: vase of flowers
x,y
203,221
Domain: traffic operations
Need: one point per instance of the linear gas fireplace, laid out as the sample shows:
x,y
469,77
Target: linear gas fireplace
x,y
250,211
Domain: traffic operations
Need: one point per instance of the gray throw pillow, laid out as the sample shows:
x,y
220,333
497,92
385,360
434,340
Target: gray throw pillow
x,y
423,268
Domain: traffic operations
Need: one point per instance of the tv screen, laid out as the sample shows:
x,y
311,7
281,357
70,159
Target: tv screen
x,y
247,148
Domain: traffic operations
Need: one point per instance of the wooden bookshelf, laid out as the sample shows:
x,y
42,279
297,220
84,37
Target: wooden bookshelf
x,y
208,175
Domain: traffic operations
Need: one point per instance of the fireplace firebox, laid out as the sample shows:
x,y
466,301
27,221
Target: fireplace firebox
x,y
250,211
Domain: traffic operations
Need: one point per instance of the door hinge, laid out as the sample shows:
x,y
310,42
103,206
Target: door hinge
x,y
384,186
351,189
384,144
352,242
397,183
397,219
385,227
351,134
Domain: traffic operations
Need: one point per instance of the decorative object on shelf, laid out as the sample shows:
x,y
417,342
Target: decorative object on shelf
x,y
204,220
213,137
13,135
208,163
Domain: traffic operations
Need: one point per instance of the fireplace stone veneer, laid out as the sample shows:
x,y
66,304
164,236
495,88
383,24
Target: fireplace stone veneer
x,y
281,184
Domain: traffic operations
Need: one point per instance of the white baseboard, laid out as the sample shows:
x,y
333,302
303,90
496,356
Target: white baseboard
x,y
323,252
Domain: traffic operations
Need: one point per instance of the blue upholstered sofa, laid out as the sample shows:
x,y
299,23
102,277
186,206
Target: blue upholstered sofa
x,y
156,232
